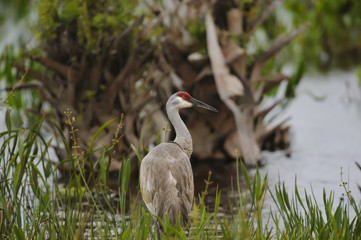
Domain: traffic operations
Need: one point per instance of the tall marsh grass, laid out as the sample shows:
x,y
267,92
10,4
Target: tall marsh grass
x,y
34,205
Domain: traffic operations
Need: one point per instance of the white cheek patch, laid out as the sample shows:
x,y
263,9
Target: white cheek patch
x,y
186,104
182,103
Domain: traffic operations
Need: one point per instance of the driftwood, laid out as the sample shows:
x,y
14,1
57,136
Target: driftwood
x,y
238,81
229,86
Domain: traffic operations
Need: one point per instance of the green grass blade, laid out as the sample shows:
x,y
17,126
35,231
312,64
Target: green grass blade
x,y
18,233
90,149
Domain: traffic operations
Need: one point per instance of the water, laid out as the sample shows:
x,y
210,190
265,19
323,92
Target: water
x,y
325,137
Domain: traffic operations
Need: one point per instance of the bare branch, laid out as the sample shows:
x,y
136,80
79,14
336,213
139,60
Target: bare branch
x,y
129,129
270,85
271,130
277,45
234,21
59,68
183,67
29,85
268,8
281,42
31,73
261,115
133,64
271,82
129,29
94,79
142,100
273,78
169,70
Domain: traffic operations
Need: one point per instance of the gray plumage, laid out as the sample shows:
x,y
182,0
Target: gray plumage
x,y
166,177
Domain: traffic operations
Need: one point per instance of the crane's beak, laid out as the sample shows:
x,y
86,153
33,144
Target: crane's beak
x,y
197,103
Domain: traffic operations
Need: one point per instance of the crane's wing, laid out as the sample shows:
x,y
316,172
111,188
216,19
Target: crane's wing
x,y
166,181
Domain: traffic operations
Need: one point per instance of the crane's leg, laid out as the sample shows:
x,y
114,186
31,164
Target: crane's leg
x,y
157,226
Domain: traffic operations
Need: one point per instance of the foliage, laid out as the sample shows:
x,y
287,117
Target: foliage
x,y
86,19
304,219
16,9
333,38
22,94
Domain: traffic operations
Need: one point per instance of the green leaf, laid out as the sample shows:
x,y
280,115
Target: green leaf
x,y
103,169
90,149
245,176
47,170
125,176
63,138
138,153
8,119
17,179
295,80
18,233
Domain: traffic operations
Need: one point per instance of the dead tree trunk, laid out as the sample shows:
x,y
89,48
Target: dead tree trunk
x,y
239,81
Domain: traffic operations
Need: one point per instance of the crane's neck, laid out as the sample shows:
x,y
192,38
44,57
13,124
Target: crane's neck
x,y
183,137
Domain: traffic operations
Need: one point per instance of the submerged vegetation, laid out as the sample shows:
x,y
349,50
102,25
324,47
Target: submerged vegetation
x,y
35,205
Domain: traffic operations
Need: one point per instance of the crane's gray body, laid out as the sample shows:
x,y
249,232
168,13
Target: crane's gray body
x,y
166,177
167,183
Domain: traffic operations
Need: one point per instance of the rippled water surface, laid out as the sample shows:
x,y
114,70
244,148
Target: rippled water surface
x,y
326,136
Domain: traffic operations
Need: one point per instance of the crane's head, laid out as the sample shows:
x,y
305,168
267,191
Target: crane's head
x,y
184,100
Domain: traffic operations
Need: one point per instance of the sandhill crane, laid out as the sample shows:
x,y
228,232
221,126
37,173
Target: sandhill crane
x,y
166,177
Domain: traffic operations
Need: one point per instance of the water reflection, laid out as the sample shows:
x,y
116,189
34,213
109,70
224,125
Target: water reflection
x,y
223,178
